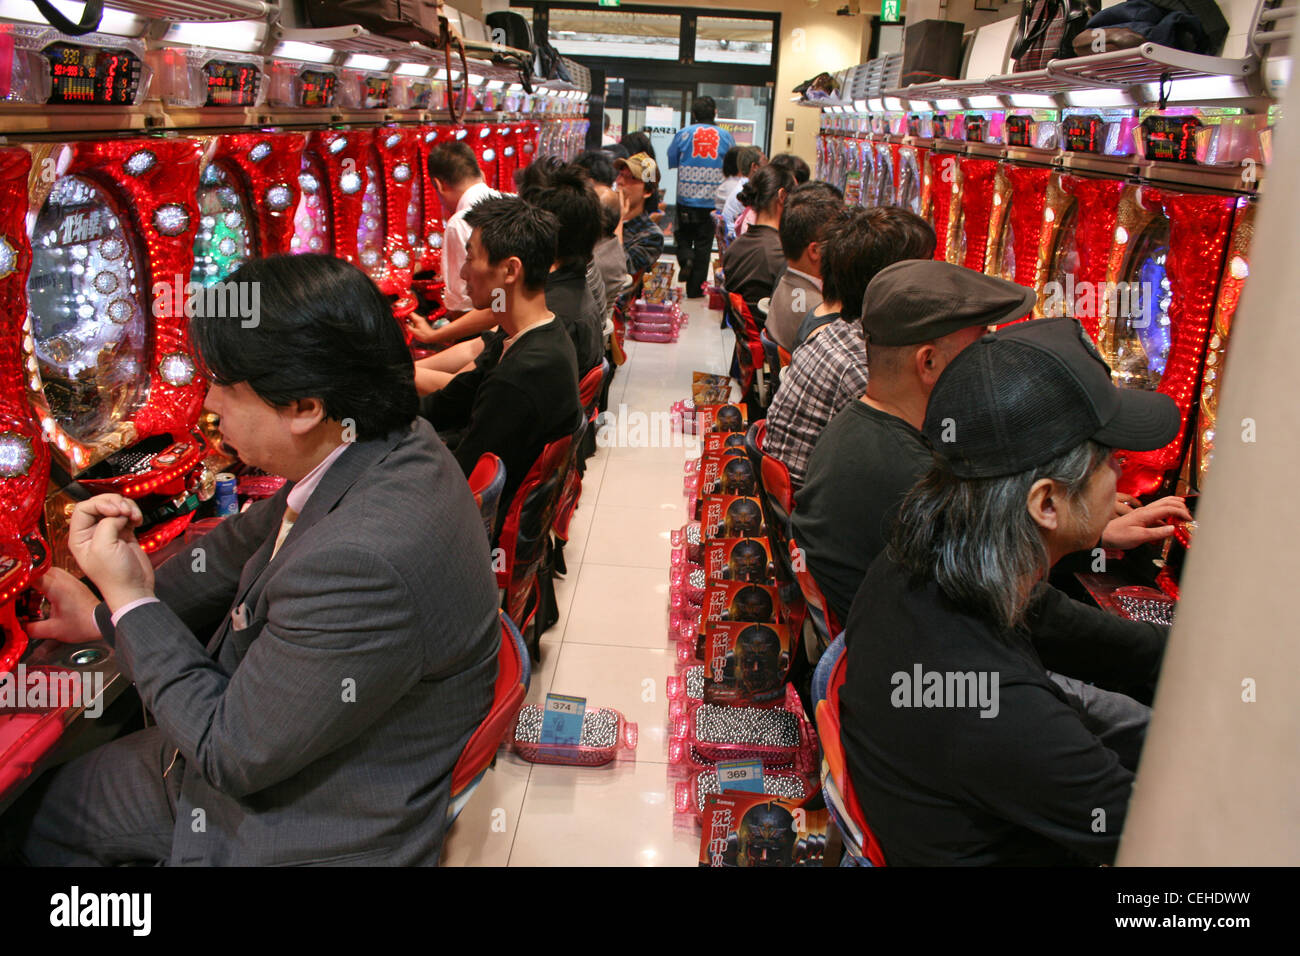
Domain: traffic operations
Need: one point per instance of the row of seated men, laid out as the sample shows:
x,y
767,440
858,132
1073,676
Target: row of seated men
x,y
939,471
314,678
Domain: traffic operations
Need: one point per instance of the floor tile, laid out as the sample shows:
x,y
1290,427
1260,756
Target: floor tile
x,y
485,830
619,605
633,483
633,537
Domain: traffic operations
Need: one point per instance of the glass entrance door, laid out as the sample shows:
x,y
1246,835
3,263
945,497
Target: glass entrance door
x,y
659,110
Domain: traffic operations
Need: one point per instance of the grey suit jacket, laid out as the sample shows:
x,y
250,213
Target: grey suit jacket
x,y
325,728
784,314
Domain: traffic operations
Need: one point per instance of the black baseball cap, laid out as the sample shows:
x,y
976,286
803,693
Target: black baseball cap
x,y
1017,398
920,300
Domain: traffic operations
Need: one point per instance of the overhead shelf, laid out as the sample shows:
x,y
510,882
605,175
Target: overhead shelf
x,y
1126,70
195,11
357,39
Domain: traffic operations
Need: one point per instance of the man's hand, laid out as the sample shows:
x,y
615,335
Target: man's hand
x,y
72,609
1124,504
1145,524
624,204
422,331
101,537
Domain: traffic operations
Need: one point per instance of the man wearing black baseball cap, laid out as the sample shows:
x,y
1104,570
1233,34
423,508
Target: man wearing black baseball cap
x,y
917,316
1022,423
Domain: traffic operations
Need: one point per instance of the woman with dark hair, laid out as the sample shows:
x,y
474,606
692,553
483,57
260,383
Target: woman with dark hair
x,y
753,262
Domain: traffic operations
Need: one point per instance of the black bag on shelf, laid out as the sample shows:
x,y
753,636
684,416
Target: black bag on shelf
x,y
515,30
1047,30
1196,26
412,20
90,17
932,50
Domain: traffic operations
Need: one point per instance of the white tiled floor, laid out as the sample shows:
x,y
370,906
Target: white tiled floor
x,y
610,646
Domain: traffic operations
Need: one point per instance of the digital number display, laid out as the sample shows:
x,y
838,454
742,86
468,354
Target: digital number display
x,y
1018,130
316,88
421,96
90,74
231,84
913,124
976,127
1171,138
374,92
1084,134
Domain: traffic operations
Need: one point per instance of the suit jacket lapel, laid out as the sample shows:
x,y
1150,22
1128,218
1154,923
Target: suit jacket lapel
x,y
340,476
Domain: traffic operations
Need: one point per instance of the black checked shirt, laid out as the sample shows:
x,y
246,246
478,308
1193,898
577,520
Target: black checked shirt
x,y
825,374
643,242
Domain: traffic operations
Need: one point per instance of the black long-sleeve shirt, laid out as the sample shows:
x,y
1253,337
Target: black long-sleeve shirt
x,y
510,404
941,784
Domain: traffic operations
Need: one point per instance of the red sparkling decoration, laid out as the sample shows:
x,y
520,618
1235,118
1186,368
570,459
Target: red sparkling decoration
x,y
345,208
978,177
1199,226
173,179
481,145
1028,197
896,149
1097,205
404,152
280,167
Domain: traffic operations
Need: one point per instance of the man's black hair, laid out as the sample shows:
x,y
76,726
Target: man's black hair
x,y
862,243
704,110
810,211
453,163
611,212
639,142
793,165
508,226
566,193
323,330
599,166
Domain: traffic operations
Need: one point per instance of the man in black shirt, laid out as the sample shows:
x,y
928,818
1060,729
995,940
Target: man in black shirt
x,y
566,192
961,748
872,452
522,391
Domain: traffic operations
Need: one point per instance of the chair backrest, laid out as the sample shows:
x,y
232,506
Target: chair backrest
x,y
487,481
750,354
783,355
824,620
772,354
529,520
837,787
514,672
589,387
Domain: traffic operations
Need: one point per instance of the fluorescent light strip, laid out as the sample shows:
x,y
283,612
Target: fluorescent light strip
x,y
1098,98
894,104
948,104
242,35
474,79
985,102
413,69
364,61
1032,101
311,52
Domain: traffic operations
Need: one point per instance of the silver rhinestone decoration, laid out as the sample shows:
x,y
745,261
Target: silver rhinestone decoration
x,y
350,182
767,727
695,682
176,369
599,727
706,782
259,152
393,140
112,248
489,154
171,219
234,220
279,196
338,145
228,197
509,150
369,257
401,172
228,246
308,183
430,137
1152,610
8,258
211,175
119,310
435,240
15,455
106,282
401,259
140,162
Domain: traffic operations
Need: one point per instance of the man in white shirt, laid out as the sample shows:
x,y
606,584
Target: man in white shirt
x,y
457,179
809,214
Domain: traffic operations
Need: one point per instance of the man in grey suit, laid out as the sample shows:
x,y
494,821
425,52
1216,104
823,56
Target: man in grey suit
x,y
352,617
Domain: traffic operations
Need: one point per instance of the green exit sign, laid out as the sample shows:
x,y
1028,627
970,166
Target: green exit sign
x,y
610,3
888,10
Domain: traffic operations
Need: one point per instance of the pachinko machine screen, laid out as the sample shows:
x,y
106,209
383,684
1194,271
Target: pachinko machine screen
x,y
89,320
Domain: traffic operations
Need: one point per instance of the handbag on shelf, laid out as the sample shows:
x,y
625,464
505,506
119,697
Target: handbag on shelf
x,y
1196,26
1047,30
